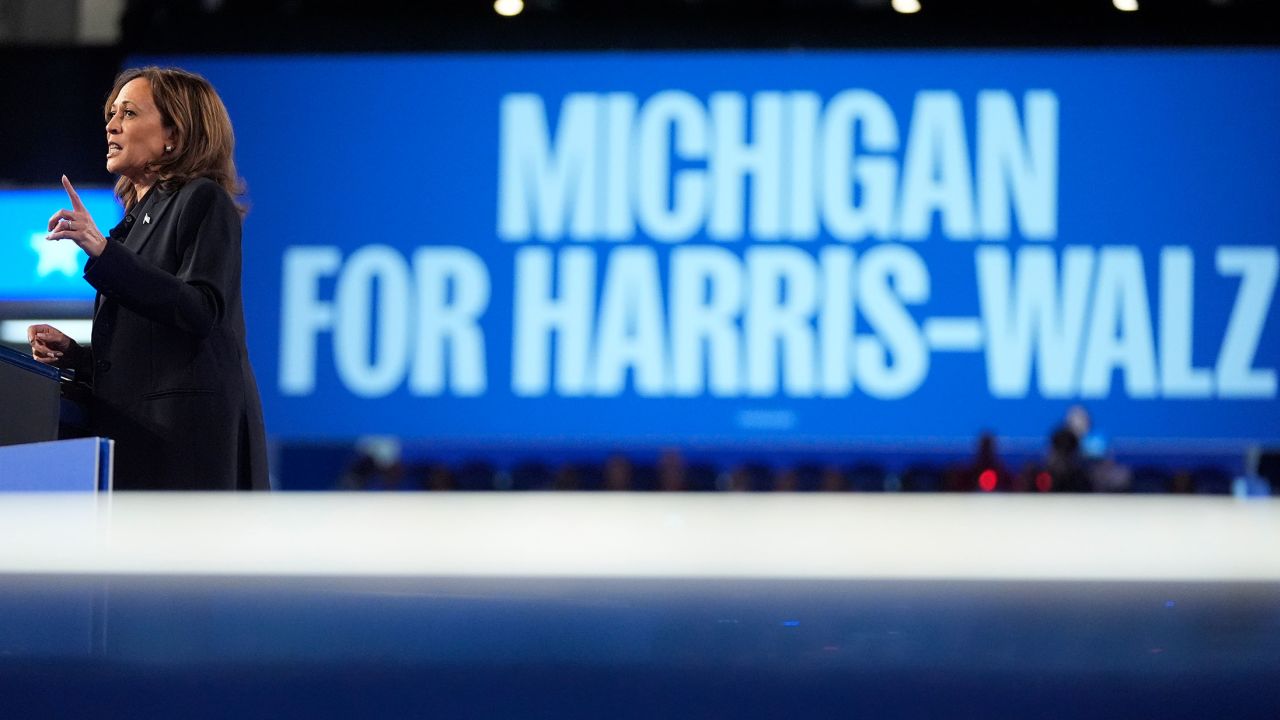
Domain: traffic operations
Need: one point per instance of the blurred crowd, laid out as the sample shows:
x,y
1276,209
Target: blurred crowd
x,y
1075,460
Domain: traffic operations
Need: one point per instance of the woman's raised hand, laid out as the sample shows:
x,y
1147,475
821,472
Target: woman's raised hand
x,y
76,224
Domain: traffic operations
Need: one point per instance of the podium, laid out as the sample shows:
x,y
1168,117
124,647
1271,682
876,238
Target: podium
x,y
32,391
33,411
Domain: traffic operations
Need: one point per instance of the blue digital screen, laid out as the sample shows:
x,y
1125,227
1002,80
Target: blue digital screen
x,y
35,269
762,249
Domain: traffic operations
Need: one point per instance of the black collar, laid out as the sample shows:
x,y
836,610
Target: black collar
x,y
121,230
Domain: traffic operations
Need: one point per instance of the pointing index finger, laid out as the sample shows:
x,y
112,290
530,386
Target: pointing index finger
x,y
71,193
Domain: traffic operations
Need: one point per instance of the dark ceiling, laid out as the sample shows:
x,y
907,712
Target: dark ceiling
x,y
464,25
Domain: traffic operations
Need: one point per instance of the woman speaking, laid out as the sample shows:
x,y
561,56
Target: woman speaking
x,y
169,369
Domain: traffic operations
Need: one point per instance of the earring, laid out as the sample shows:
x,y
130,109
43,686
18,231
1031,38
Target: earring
x,y
168,148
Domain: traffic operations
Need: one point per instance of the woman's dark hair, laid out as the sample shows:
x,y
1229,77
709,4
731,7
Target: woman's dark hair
x,y
203,141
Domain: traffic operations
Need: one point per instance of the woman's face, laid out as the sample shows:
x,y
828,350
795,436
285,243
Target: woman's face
x,y
136,135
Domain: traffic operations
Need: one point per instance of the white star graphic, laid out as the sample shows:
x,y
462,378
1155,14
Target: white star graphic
x,y
56,256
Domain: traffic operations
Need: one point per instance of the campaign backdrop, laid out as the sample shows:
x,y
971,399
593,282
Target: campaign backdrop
x,y
33,269
767,248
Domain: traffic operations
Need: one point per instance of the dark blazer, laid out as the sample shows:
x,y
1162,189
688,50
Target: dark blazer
x,y
171,378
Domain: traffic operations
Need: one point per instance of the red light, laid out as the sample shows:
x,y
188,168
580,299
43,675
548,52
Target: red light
x,y
987,480
1044,481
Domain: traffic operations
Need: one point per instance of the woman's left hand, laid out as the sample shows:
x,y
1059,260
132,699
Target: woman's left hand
x,y
76,224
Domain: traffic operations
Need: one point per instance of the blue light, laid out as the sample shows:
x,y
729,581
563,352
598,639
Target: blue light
x,y
32,268
791,623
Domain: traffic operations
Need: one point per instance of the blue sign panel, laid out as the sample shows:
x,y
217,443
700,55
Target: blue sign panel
x,y
78,465
791,249
35,269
